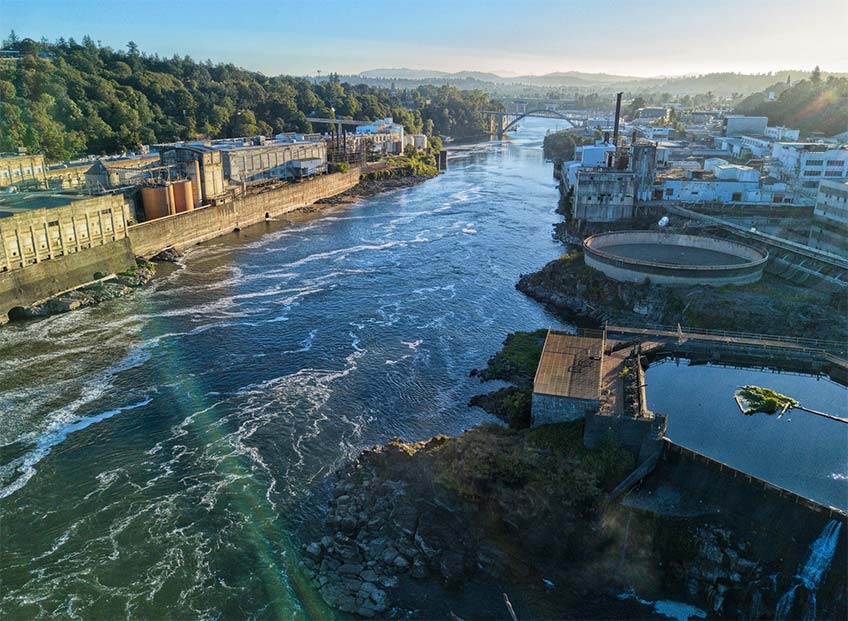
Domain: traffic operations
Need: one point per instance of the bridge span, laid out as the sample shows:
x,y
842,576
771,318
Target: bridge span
x,y
501,122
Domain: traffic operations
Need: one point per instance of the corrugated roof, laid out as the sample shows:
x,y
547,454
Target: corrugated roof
x,y
570,366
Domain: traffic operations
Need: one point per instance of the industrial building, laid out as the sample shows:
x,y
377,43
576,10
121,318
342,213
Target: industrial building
x,y
38,226
22,171
738,125
107,174
609,178
567,385
610,193
805,164
385,134
830,218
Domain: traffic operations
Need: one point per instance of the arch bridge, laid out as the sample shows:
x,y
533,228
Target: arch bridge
x,y
502,122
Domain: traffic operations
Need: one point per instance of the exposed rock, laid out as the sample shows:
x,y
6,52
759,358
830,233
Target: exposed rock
x,y
169,255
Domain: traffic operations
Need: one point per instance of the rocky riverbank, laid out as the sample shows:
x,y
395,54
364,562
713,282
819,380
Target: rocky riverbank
x,y
371,186
105,288
771,306
493,503
524,511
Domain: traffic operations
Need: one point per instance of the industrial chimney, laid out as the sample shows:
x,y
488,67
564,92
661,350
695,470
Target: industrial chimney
x,y
617,119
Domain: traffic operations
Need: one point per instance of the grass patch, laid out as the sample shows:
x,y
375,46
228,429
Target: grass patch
x,y
516,362
764,400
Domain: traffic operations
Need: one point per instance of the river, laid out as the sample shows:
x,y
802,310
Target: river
x,y
159,451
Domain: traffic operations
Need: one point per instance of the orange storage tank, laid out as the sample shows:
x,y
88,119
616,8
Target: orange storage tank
x,y
183,196
155,201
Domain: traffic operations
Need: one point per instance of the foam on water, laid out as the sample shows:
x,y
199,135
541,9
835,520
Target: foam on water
x,y
16,473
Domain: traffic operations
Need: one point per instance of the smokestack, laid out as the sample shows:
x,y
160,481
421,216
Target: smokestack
x,y
606,137
617,119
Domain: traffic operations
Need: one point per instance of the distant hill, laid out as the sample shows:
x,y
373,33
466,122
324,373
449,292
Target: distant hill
x,y
727,84
815,105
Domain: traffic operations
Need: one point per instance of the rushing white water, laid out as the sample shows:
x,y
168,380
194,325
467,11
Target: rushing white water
x,y
158,453
811,574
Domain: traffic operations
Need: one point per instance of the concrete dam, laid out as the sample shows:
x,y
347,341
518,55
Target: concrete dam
x,y
48,251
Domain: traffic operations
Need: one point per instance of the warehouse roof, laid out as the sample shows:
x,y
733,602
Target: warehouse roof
x,y
570,366
18,202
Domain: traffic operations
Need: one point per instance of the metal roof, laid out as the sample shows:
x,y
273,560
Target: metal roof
x,y
570,366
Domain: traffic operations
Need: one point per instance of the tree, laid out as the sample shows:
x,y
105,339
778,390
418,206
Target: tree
x,y
815,77
638,102
132,47
11,41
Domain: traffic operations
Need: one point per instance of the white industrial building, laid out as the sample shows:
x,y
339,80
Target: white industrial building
x,y
830,218
721,182
391,132
805,164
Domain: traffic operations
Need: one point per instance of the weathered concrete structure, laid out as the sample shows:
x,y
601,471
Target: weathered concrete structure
x,y
567,385
604,195
52,242
55,242
23,171
185,229
673,258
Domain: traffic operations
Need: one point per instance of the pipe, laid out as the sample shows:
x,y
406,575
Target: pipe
x,y
617,119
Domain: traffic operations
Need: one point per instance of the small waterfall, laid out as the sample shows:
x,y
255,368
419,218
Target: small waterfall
x,y
818,562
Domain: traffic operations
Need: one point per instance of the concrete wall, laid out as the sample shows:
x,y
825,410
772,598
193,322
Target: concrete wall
x,y
48,278
604,195
185,229
641,436
549,409
51,276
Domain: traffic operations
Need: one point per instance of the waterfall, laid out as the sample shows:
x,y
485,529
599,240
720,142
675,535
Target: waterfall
x,y
818,562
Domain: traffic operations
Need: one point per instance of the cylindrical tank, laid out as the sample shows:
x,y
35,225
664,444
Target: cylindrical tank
x,y
155,201
169,193
183,197
194,175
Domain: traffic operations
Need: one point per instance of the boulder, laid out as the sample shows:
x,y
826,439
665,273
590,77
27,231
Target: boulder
x,y
350,569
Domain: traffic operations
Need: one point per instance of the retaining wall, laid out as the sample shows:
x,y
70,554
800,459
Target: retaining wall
x,y
198,225
640,436
549,409
51,277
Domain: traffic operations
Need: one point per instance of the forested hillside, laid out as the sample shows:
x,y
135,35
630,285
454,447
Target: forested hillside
x,y
812,105
66,99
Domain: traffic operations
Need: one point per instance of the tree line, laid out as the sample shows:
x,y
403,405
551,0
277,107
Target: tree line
x,y
814,105
67,99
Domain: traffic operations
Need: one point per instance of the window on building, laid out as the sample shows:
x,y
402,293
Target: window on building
x,y
814,162
812,173
833,173
835,162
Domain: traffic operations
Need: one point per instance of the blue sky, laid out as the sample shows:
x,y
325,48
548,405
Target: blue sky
x,y
633,37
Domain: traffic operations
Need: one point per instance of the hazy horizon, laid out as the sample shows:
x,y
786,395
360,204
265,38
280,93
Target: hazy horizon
x,y
648,39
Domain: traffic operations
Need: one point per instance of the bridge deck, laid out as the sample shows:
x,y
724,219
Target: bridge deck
x,y
808,345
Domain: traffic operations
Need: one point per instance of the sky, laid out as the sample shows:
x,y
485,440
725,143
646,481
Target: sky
x,y
626,37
